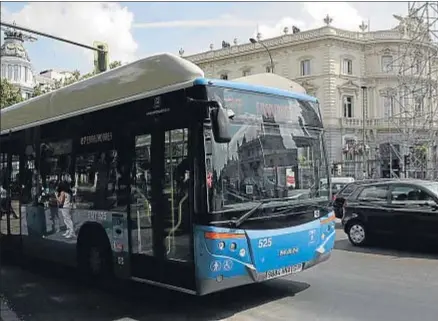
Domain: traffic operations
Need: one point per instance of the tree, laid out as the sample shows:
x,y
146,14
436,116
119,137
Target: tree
x,y
76,76
115,64
9,94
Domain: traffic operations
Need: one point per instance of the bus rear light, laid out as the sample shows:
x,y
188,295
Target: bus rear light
x,y
222,236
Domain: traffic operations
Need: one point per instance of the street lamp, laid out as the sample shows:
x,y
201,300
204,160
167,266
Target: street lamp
x,y
254,41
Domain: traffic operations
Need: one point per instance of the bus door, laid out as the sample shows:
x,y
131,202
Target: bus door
x,y
161,234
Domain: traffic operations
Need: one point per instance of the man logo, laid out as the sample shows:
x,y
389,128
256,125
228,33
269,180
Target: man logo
x,y
290,251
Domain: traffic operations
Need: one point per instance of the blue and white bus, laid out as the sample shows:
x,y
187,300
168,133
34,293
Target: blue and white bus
x,y
194,184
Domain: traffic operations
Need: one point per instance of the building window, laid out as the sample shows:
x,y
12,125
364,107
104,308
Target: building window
x,y
417,65
224,76
387,63
16,73
10,71
25,74
246,73
347,67
3,71
347,106
419,105
305,67
388,106
268,69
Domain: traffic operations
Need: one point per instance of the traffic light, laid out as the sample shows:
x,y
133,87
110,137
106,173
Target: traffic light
x,y
101,57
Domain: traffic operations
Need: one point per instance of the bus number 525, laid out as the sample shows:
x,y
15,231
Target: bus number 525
x,y
265,242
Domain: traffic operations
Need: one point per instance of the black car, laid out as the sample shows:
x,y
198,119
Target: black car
x,y
341,195
404,208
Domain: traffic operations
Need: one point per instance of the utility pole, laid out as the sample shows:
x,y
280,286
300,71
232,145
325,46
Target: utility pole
x,y
101,60
364,134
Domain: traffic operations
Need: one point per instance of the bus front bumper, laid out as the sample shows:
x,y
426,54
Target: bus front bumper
x,y
206,286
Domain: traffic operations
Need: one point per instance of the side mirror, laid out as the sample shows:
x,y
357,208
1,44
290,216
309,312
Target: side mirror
x,y
220,123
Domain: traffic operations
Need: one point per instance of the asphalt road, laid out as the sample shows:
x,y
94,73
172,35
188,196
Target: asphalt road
x,y
355,284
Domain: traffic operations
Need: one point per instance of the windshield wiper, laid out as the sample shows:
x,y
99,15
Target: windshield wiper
x,y
247,215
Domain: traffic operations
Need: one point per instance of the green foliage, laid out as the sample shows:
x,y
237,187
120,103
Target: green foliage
x,y
115,64
9,94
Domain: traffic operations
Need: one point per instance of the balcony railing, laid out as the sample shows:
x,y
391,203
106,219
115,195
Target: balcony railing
x,y
384,123
298,38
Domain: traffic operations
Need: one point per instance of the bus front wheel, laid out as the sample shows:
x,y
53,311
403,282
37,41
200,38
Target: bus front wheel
x,y
94,256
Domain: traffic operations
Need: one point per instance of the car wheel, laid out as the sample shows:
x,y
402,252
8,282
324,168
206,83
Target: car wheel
x,y
357,234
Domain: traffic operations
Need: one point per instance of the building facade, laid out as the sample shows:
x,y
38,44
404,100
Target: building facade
x,y
17,68
15,63
356,77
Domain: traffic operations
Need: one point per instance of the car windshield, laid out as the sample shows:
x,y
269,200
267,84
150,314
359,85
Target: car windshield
x,y
433,187
276,151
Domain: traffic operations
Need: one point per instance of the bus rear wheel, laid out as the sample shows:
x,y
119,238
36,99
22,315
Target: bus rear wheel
x,y
95,259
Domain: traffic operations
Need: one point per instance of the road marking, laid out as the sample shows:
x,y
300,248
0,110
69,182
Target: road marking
x,y
6,312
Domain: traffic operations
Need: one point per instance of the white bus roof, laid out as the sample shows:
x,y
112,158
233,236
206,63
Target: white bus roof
x,y
147,77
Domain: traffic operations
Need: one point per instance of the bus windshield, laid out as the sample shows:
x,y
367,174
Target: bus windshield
x,y
276,151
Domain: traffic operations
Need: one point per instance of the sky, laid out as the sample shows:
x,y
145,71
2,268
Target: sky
x,y
134,30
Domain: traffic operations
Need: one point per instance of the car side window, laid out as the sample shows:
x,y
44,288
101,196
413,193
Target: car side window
x,y
374,193
410,195
348,190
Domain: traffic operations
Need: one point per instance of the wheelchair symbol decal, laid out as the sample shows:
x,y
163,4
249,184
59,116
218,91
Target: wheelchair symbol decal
x,y
228,265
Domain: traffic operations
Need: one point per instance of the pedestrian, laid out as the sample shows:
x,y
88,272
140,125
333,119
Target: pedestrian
x,y
65,206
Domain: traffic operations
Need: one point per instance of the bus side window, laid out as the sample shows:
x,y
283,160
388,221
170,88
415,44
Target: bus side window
x,y
97,180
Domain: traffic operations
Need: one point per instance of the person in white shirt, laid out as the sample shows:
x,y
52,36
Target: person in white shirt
x,y
64,197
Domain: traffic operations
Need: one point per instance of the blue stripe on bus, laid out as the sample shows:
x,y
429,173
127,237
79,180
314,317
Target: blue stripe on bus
x,y
261,89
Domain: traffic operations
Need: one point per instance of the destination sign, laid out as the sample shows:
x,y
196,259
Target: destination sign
x,y
97,138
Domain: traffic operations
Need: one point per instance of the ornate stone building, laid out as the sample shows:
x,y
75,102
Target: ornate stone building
x,y
15,62
353,74
17,68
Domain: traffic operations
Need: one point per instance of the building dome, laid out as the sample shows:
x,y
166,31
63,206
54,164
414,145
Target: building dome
x,y
15,62
13,46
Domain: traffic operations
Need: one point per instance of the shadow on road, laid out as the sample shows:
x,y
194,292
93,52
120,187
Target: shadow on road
x,y
395,248
48,293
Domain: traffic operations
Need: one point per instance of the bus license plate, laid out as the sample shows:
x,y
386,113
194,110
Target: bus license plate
x,y
272,274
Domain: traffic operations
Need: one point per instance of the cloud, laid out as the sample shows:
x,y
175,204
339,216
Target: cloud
x,y
344,15
270,31
83,22
224,21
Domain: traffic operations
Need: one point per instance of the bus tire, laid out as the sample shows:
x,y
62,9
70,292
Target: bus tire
x,y
94,256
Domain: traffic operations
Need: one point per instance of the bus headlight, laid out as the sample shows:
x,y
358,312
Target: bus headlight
x,y
242,252
233,246
221,245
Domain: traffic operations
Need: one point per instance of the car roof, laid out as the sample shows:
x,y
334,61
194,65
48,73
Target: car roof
x,y
398,181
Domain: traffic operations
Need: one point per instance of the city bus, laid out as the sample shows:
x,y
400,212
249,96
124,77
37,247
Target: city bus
x,y
165,172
